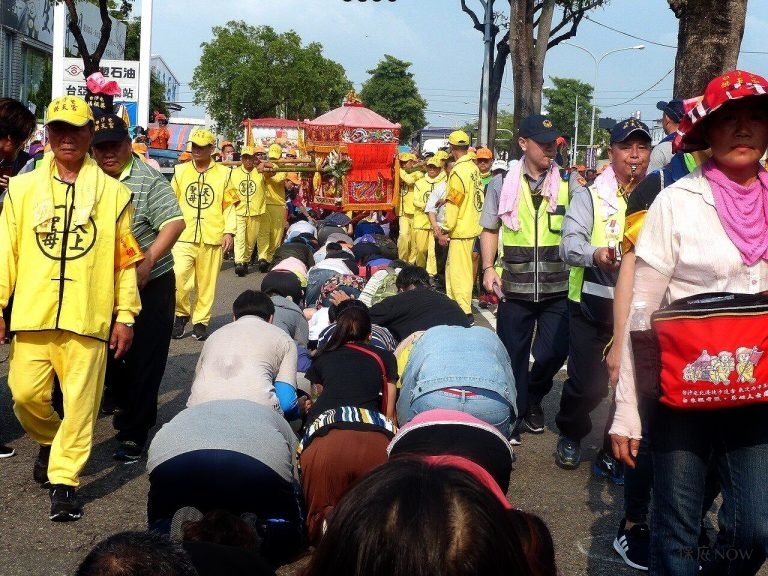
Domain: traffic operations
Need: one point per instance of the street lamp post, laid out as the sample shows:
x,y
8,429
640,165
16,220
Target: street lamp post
x,y
597,69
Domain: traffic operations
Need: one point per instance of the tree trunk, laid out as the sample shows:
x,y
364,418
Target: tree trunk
x,y
494,93
708,41
520,33
540,53
91,62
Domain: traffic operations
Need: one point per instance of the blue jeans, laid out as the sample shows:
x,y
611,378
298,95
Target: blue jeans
x,y
485,405
682,444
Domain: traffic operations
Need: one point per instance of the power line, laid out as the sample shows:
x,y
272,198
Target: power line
x,y
643,92
651,41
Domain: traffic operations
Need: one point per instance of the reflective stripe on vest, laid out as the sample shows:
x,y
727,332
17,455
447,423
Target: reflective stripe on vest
x,y
598,239
530,257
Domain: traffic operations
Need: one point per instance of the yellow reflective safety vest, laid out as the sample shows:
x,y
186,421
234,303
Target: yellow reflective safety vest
x,y
70,271
464,200
530,257
594,281
421,192
207,200
251,191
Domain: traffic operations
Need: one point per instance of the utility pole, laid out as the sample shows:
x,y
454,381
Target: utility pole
x,y
483,126
575,147
145,57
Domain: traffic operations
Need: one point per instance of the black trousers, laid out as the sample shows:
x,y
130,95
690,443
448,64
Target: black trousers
x,y
587,382
133,381
545,324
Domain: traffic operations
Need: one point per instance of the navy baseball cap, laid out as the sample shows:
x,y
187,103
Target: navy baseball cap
x,y
539,128
626,128
673,109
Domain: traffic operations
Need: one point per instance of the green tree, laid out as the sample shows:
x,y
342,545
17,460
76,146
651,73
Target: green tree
x,y
505,131
132,52
391,92
253,72
562,105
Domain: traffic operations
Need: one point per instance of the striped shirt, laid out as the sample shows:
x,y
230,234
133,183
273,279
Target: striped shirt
x,y
155,205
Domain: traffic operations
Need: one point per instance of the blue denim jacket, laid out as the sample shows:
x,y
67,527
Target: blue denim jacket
x,y
457,357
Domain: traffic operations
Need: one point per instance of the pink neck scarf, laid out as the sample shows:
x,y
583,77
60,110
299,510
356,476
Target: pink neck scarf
x,y
607,187
509,199
742,210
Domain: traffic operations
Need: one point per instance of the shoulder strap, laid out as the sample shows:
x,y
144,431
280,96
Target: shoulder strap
x,y
380,362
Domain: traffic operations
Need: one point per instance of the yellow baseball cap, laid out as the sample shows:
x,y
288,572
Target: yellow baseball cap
x,y
458,138
293,177
435,161
275,152
202,137
247,151
69,109
406,156
441,155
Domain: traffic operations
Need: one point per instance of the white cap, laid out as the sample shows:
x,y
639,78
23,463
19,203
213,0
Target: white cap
x,y
499,165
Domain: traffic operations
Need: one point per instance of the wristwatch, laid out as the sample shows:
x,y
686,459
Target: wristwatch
x,y
127,324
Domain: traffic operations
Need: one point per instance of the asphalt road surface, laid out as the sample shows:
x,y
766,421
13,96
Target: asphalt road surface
x,y
583,513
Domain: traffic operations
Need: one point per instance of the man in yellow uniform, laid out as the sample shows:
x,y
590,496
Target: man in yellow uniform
x,y
251,210
271,234
408,178
68,256
207,200
423,246
464,203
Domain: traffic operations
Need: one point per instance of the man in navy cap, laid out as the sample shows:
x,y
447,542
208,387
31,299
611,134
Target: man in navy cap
x,y
592,230
670,119
527,208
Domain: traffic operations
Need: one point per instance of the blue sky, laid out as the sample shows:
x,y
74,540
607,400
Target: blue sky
x,y
445,51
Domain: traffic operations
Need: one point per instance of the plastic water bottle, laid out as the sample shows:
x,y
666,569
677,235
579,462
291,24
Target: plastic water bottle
x,y
639,320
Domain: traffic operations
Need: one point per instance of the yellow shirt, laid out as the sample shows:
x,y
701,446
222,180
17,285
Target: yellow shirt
x,y
65,271
251,190
275,186
407,182
464,200
207,200
421,192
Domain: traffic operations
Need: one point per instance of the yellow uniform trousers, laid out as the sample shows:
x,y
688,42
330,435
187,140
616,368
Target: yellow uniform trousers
x,y
420,240
431,258
271,231
245,237
458,272
404,238
196,267
80,363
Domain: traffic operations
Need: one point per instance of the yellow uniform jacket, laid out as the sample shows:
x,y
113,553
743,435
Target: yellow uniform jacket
x,y
251,191
67,252
207,200
275,186
464,200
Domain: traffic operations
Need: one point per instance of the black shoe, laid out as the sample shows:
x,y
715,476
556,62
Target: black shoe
x,y
64,505
568,453
471,319
200,331
633,544
178,326
263,265
6,451
534,420
241,269
40,469
128,452
606,466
